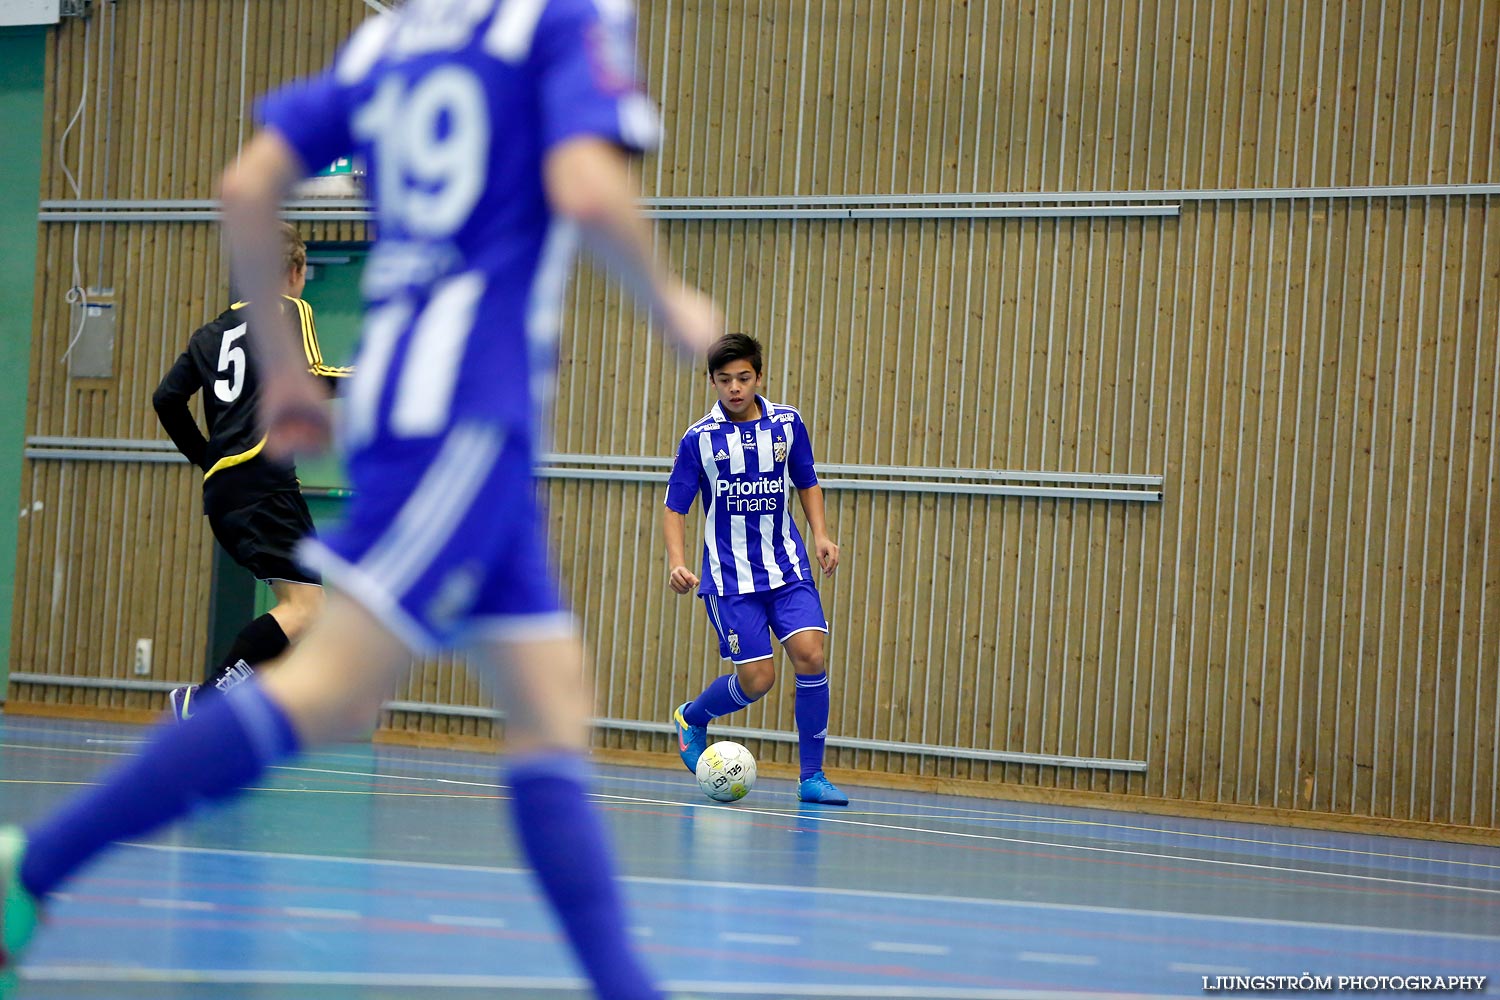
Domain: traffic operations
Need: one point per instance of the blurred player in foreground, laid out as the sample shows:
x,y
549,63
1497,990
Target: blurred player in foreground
x,y
496,133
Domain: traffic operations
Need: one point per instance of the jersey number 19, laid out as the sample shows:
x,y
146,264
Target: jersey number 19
x,y
431,139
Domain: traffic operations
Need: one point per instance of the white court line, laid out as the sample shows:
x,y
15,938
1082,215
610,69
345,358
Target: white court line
x,y
1051,958
735,937
928,831
319,913
953,834
1208,970
967,811
1060,846
1028,904
692,989
961,835
905,948
177,904
450,921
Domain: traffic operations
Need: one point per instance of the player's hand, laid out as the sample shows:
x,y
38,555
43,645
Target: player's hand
x,y
828,555
682,580
295,415
693,320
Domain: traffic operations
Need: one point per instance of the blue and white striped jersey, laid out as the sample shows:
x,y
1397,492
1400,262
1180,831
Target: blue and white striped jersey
x,y
454,106
750,540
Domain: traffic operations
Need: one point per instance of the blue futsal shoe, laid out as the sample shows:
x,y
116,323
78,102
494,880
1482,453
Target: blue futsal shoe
x,y
691,740
822,791
18,908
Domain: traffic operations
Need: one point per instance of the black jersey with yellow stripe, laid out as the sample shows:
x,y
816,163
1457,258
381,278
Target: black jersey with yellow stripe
x,y
218,361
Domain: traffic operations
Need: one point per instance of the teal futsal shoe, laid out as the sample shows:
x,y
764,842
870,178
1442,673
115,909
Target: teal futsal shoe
x,y
18,908
691,740
822,791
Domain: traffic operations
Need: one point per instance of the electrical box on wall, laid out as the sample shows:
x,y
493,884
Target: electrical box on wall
x,y
14,12
91,335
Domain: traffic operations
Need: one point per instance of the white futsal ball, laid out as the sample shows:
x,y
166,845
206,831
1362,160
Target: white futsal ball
x,y
726,772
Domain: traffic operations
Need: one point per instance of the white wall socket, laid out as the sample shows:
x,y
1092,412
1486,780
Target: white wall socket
x,y
142,657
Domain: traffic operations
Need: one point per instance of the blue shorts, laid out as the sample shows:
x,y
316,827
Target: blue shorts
x,y
744,622
444,541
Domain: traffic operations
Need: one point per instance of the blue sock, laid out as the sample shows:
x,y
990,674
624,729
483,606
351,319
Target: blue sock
x,y
566,844
721,697
812,721
216,752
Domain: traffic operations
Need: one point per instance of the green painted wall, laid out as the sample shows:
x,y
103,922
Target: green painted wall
x,y
333,292
23,64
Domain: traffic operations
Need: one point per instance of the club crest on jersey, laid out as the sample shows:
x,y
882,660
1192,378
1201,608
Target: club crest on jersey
x,y
778,450
734,643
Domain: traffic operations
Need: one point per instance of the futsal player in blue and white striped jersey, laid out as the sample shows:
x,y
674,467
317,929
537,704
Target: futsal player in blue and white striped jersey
x,y
744,459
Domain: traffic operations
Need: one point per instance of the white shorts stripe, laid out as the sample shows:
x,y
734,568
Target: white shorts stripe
x,y
713,615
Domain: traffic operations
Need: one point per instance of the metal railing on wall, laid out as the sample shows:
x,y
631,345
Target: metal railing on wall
x,y
921,205
358,210
652,469
643,726
1138,488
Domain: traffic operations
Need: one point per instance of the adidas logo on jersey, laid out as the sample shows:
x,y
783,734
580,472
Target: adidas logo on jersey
x,y
721,456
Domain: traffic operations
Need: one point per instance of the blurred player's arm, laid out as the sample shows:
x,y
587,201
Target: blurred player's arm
x,y
171,403
812,507
293,405
590,181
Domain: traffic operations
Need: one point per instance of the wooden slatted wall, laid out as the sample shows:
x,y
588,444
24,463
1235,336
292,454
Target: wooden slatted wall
x,y
1309,620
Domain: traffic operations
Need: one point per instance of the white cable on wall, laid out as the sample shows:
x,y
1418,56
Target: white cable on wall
x,y
77,294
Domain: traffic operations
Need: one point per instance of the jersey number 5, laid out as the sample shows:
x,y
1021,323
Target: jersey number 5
x,y
232,365
431,142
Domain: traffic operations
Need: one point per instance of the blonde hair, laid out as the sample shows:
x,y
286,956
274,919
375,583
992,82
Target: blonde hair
x,y
293,250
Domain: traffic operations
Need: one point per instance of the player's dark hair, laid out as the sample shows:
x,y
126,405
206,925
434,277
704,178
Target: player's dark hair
x,y
734,347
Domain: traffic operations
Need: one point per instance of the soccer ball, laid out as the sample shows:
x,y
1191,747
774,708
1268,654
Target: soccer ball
x,y
726,772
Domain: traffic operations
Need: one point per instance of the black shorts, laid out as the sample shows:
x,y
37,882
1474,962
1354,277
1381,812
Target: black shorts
x,y
262,535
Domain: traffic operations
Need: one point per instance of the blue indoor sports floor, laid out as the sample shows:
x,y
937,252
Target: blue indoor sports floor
x,y
384,872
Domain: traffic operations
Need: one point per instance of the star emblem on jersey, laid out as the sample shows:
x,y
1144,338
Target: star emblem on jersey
x,y
778,450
